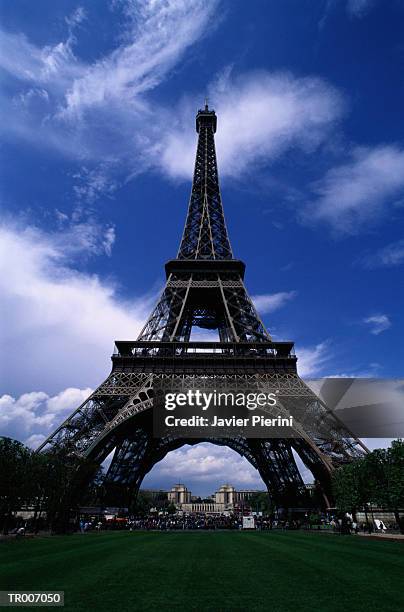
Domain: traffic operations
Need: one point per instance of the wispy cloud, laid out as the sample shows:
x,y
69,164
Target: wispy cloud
x,y
354,193
272,301
272,112
76,17
92,183
87,111
377,323
52,66
355,9
58,324
103,115
157,34
359,8
389,255
81,235
160,33
312,360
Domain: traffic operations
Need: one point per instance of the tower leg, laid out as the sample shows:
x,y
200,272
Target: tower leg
x,y
277,467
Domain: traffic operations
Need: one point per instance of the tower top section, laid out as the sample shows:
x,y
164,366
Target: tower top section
x,y
206,118
205,233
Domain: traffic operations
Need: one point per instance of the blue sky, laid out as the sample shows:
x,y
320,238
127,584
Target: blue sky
x,y
97,155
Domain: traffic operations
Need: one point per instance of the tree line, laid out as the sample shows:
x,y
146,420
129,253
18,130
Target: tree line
x,y
45,483
376,480
40,481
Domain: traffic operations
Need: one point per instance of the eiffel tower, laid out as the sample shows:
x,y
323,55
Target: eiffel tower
x,y
204,289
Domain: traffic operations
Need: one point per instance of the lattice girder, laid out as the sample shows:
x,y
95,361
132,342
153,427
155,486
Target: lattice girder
x,y
205,234
224,294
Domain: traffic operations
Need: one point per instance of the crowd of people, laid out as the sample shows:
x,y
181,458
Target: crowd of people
x,y
166,522
347,525
159,521
171,522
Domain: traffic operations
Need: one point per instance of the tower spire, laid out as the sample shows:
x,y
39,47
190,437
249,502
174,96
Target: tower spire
x,y
205,234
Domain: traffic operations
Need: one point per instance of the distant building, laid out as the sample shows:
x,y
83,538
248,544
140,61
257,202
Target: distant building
x,y
226,499
202,507
179,495
226,496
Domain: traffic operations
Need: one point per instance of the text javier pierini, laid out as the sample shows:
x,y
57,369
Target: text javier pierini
x,y
231,421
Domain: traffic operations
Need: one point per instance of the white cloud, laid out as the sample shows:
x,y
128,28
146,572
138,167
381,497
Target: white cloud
x,y
67,399
81,234
109,239
35,92
32,416
161,32
204,466
355,9
156,35
35,440
272,301
311,360
354,193
58,324
102,113
378,323
260,115
390,255
91,183
359,8
78,16
98,112
52,66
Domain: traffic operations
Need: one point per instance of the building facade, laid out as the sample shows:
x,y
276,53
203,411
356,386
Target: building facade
x,y
179,495
226,499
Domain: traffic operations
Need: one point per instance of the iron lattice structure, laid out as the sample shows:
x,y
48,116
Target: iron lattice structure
x,y
204,288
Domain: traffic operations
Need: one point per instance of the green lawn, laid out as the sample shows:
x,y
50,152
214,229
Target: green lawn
x,y
209,571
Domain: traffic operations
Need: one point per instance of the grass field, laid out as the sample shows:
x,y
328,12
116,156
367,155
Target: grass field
x,y
209,571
